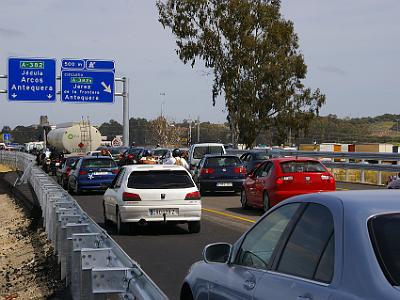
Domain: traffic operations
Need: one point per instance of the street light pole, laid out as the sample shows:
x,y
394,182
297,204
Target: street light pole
x,y
162,103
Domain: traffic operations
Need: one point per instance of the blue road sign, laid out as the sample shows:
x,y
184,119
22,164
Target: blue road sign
x,y
87,81
6,137
31,79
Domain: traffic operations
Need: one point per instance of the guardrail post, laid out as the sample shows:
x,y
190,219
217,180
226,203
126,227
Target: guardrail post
x,y
80,241
379,175
89,259
362,172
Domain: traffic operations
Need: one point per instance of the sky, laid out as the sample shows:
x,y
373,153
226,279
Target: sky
x,y
351,48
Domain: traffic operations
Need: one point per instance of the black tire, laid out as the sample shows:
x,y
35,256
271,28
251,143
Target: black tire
x,y
122,228
266,204
194,226
186,293
77,190
202,191
62,183
69,188
107,222
243,199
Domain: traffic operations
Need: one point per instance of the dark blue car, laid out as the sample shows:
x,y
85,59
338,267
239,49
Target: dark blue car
x,y
220,173
92,173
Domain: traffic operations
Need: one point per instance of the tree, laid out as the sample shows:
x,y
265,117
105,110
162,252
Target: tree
x,y
253,53
164,133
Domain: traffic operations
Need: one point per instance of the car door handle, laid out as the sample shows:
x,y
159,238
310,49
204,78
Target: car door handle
x,y
249,285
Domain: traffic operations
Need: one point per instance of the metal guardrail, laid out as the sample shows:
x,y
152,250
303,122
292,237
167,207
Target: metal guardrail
x,y
352,160
93,265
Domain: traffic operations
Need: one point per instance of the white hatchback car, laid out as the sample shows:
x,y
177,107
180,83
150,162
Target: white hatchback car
x,y
152,193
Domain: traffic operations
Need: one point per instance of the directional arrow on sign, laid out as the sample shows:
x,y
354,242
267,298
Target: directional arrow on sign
x,y
14,95
49,96
107,88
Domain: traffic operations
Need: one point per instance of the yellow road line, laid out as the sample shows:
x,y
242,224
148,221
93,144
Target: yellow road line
x,y
227,215
340,189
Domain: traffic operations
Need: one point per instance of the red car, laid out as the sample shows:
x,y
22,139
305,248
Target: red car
x,y
280,178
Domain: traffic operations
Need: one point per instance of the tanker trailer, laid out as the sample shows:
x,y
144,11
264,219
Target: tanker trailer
x,y
76,138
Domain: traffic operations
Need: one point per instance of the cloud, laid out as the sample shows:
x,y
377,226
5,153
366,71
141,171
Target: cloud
x,y
10,32
332,69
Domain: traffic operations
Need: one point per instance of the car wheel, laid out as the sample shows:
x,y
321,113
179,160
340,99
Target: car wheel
x,y
62,183
243,199
107,222
77,190
186,293
201,190
194,226
122,227
69,188
266,204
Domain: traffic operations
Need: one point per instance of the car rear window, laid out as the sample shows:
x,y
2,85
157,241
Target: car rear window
x,y
302,166
70,161
159,180
384,232
261,156
223,162
99,163
117,150
160,152
200,151
135,151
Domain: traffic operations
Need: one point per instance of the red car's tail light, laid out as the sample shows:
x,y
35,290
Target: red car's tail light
x,y
328,178
114,171
83,172
67,171
205,171
283,179
130,197
193,196
240,170
130,156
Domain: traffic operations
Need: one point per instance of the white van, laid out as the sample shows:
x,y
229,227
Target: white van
x,y
197,152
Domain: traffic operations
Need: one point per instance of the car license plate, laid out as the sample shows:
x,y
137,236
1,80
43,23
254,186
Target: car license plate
x,y
57,164
162,211
100,173
224,184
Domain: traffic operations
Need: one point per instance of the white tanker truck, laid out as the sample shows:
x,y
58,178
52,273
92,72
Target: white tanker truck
x,y
74,138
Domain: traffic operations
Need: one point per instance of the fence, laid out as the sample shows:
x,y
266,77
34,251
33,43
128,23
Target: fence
x,y
92,263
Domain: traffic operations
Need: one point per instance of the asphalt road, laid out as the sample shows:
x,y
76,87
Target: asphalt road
x,y
165,252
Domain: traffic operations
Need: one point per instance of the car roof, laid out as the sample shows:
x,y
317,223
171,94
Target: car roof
x,y
96,157
358,204
154,168
208,144
292,158
220,155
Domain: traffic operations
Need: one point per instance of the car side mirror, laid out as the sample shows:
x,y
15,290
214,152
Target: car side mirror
x,y
217,253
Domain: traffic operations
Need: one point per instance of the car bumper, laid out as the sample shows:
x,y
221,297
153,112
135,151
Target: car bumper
x,y
102,185
219,184
135,213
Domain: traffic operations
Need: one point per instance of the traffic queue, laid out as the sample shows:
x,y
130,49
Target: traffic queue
x,y
261,180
